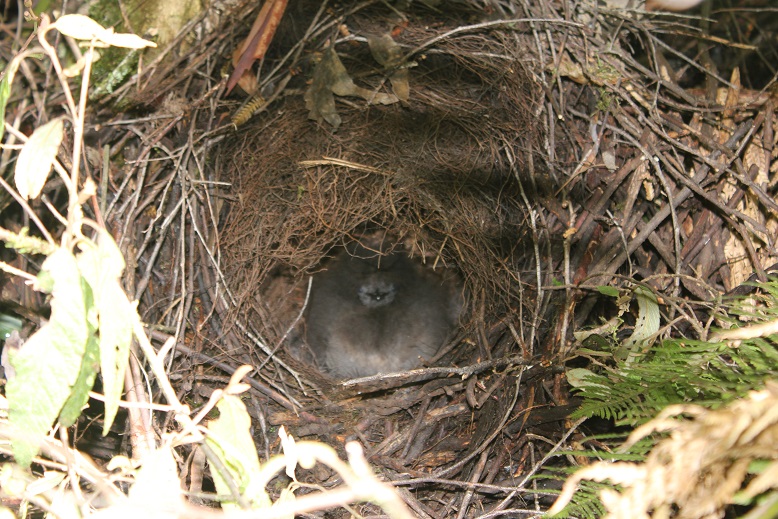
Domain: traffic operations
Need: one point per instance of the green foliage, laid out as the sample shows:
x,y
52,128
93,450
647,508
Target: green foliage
x,y
611,448
677,371
646,325
230,437
90,327
91,317
5,88
632,390
585,503
631,383
79,393
36,158
113,316
48,365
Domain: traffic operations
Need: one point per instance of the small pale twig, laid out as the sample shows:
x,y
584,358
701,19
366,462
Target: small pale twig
x,y
5,267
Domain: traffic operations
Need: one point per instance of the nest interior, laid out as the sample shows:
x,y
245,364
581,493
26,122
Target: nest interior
x,y
544,149
431,174
447,173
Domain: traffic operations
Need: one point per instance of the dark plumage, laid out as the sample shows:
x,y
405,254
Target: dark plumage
x,y
371,314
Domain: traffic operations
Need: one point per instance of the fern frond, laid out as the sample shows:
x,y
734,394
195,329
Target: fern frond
x,y
684,370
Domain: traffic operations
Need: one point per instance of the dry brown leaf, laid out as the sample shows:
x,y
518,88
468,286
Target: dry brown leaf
x,y
256,44
330,79
386,52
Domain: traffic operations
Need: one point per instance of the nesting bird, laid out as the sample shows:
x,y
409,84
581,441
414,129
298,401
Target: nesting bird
x,y
378,313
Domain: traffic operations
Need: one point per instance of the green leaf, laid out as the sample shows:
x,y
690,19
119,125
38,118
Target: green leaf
x,y
102,265
581,378
5,94
127,41
84,383
647,324
84,28
49,363
37,157
608,290
230,438
79,27
49,481
5,89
